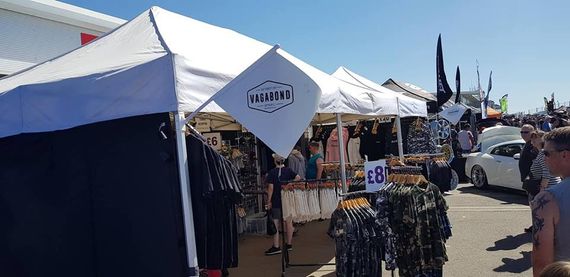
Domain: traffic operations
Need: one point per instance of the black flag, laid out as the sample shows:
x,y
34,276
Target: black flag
x,y
488,90
457,86
444,92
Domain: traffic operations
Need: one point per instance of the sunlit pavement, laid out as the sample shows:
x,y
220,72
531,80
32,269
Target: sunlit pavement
x,y
488,240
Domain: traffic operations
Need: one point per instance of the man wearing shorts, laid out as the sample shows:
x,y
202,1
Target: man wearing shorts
x,y
277,177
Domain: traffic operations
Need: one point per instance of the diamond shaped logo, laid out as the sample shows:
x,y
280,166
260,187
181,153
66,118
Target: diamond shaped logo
x,y
270,96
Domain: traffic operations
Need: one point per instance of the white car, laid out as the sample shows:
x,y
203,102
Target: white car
x,y
496,163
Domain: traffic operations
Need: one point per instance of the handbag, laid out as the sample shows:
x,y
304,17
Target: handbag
x,y
531,186
271,229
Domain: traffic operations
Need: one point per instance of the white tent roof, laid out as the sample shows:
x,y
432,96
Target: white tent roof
x,y
158,62
454,113
408,106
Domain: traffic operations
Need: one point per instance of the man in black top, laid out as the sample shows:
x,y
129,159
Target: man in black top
x,y
277,177
528,154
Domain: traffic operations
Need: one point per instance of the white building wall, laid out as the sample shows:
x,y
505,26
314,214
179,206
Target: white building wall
x,y
26,40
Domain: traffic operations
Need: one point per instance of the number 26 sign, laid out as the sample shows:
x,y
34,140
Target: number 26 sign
x,y
375,174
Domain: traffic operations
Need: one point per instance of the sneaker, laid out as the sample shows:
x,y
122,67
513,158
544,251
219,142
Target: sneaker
x,y
289,247
273,251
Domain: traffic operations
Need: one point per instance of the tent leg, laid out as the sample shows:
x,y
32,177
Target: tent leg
x,y
185,191
342,153
399,127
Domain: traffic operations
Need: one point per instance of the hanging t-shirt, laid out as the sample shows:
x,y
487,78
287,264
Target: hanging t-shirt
x,y
333,152
354,150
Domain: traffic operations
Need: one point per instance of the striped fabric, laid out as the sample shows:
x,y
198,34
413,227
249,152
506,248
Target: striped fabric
x,y
539,170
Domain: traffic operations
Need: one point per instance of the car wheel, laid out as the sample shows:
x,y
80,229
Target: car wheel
x,y
479,177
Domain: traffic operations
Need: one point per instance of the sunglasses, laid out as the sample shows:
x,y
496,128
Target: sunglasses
x,y
548,153
525,132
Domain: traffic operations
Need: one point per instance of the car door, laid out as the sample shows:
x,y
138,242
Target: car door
x,y
491,163
509,168
506,167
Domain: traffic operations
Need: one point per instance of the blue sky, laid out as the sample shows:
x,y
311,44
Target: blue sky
x,y
525,43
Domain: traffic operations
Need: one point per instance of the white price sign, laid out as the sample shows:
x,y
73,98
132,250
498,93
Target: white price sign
x,y
214,140
203,125
375,175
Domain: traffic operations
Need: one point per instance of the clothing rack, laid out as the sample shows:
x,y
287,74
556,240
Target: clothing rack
x,y
285,258
358,194
405,170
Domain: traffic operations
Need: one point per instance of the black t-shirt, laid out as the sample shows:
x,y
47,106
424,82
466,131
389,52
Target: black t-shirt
x,y
279,177
528,154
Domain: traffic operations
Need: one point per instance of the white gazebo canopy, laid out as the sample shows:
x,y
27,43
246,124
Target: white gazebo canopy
x,y
164,62
408,106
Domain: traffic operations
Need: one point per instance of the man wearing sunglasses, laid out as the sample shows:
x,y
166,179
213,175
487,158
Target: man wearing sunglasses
x,y
551,208
528,154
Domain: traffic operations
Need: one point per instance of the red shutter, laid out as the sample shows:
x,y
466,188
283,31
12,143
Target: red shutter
x,y
86,38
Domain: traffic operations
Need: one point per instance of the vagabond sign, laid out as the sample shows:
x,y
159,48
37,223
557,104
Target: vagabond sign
x,y
270,96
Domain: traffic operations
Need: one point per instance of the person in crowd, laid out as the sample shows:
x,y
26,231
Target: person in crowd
x,y
315,164
466,139
453,131
551,207
528,154
277,177
546,125
538,169
559,121
455,144
557,269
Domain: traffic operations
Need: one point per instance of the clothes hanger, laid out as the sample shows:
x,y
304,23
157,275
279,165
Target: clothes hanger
x,y
375,126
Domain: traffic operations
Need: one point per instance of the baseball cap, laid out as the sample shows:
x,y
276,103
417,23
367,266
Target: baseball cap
x,y
277,157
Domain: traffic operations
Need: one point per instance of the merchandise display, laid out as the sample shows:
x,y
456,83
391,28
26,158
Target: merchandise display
x,y
420,139
354,227
215,193
408,230
306,202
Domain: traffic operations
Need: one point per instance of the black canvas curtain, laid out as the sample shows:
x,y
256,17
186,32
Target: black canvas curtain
x,y
96,200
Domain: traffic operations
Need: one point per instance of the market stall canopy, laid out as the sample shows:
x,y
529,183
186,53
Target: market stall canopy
x,y
454,113
158,62
408,106
492,113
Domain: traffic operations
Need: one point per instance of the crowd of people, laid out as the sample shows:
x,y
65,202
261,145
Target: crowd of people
x,y
544,122
545,172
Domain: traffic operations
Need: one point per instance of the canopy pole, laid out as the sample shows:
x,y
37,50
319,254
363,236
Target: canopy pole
x,y
188,216
342,153
399,132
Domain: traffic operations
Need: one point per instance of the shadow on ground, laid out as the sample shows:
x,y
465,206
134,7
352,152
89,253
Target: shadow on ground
x,y
516,266
507,196
511,242
311,245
